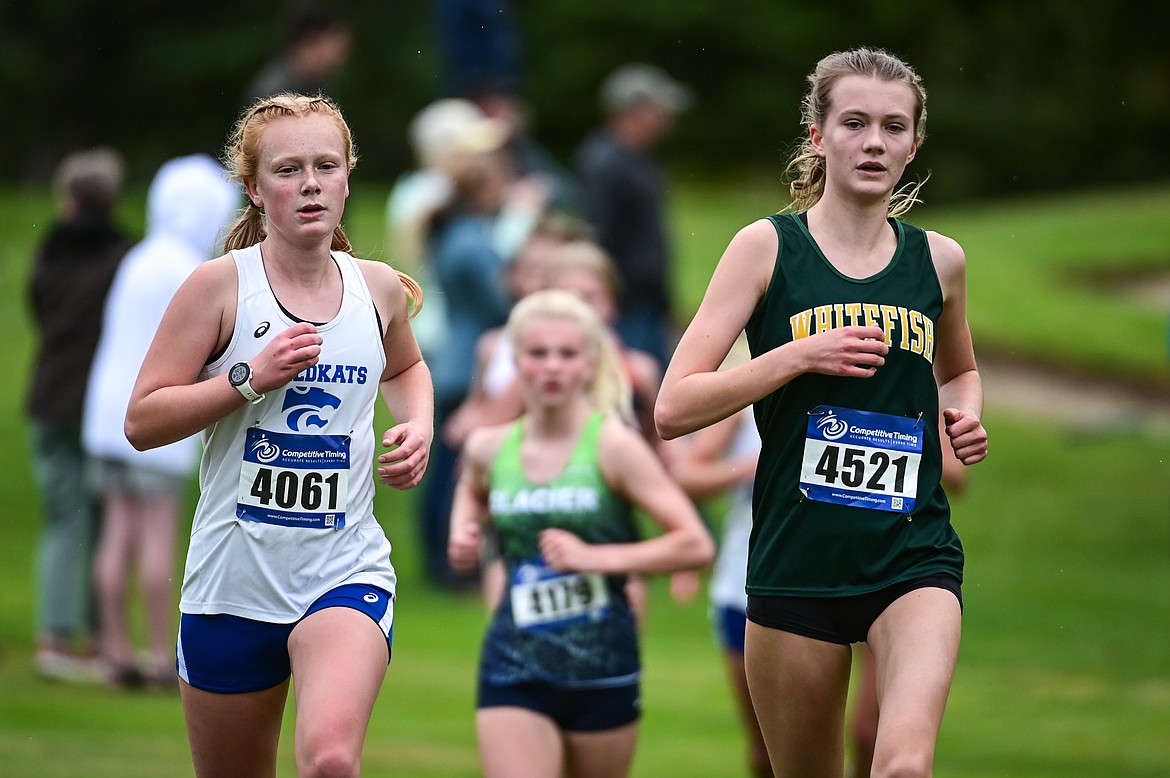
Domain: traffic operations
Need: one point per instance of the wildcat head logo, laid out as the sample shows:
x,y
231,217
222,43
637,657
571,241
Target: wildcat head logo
x,y
263,328
308,406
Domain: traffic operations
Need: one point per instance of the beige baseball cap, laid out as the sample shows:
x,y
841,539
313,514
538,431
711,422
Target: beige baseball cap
x,y
453,126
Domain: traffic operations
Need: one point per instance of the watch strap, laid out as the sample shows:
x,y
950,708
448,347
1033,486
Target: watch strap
x,y
250,394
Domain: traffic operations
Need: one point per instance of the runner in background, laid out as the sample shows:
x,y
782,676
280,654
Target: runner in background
x,y
560,667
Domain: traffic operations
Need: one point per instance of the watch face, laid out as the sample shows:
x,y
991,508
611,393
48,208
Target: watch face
x,y
239,373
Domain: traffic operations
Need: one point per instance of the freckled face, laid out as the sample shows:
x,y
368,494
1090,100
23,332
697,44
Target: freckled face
x,y
553,361
302,180
868,136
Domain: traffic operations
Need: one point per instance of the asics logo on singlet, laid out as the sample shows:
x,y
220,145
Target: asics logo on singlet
x,y
266,450
832,427
308,406
263,328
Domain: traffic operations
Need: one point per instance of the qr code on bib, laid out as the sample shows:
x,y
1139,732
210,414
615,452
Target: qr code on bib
x,y
896,503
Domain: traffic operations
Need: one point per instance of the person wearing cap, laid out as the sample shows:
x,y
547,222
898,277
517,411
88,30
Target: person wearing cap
x,y
438,135
441,134
624,196
435,135
469,237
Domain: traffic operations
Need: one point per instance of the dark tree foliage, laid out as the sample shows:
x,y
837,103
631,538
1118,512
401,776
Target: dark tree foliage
x,y
1023,96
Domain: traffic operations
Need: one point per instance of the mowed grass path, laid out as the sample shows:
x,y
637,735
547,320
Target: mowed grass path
x,y
1065,665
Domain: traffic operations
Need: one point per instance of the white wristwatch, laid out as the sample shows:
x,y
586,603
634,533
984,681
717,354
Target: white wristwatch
x,y
240,376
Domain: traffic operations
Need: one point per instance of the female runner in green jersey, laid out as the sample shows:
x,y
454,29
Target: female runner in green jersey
x,y
559,671
858,332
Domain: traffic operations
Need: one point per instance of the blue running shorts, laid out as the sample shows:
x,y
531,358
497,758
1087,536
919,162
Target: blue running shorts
x,y
232,655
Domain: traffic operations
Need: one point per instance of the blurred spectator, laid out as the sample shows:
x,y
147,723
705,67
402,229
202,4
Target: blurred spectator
x,y
494,395
625,193
483,61
70,278
438,134
315,43
189,204
583,267
464,246
528,156
443,135
480,45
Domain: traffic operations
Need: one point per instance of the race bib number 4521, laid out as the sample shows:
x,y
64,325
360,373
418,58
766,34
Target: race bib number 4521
x,y
862,459
294,480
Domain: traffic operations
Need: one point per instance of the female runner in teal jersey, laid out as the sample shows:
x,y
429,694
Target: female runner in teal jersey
x,y
559,672
858,331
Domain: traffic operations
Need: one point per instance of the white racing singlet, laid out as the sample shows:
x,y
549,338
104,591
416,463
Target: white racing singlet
x,y
286,485
729,575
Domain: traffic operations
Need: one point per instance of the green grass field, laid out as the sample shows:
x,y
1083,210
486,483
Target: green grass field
x,y
1065,665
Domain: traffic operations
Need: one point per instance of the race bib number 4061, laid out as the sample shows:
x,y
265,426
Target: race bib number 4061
x,y
294,480
861,459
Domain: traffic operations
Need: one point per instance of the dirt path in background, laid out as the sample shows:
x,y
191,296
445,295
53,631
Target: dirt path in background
x,y
1082,401
1090,403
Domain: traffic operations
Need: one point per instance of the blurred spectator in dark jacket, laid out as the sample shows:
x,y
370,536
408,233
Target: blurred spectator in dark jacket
x,y
70,278
625,197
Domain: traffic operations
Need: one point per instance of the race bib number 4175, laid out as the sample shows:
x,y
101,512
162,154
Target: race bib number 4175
x,y
545,599
861,459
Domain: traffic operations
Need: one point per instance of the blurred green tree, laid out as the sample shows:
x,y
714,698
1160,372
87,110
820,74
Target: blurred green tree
x,y
1023,96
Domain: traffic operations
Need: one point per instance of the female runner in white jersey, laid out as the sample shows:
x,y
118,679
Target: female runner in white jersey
x,y
277,352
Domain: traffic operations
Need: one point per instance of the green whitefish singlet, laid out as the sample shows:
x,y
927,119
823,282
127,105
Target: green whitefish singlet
x,y
847,495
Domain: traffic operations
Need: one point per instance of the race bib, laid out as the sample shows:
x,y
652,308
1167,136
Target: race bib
x,y
861,459
294,480
545,599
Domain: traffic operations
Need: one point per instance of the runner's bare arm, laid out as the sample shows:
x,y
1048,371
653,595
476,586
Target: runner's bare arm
x,y
955,369
695,393
470,508
405,384
632,469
